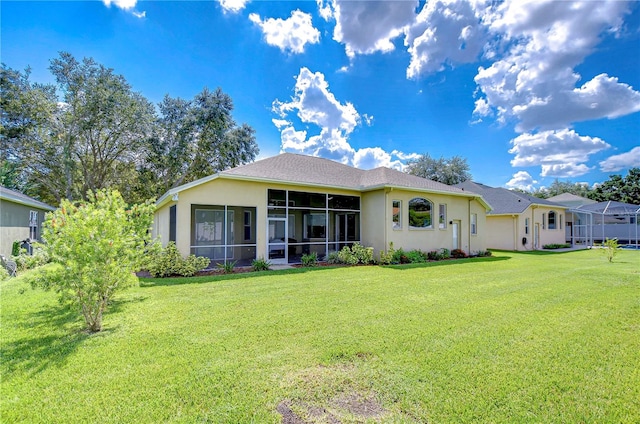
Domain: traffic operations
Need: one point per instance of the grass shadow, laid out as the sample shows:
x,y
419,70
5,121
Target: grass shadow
x,y
173,281
447,262
53,333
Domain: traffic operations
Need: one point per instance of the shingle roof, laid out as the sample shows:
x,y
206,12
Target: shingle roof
x,y
571,200
23,199
290,167
314,171
505,201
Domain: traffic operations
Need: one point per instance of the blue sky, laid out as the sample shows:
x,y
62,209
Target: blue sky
x,y
527,91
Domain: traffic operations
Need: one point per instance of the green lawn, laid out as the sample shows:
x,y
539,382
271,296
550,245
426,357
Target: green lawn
x,y
538,337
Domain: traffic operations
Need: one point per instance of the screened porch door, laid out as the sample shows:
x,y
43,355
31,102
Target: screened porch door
x,y
277,240
346,230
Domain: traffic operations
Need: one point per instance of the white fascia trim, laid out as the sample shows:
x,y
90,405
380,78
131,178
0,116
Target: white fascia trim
x,y
35,204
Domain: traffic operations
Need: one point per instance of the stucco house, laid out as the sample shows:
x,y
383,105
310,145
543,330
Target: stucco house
x,y
21,217
284,206
519,221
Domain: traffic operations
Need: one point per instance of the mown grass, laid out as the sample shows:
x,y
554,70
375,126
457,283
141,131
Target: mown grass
x,y
538,337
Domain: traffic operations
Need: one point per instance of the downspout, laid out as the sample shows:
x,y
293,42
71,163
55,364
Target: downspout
x,y
515,232
469,215
386,216
533,228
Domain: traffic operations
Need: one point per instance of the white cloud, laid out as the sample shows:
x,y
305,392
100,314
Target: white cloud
x,y
127,5
233,6
314,104
534,83
324,9
366,27
374,157
522,180
624,160
560,153
445,31
291,34
564,170
122,4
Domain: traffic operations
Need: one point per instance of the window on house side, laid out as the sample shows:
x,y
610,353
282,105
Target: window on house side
x,y
247,225
420,213
442,216
526,225
552,220
33,225
397,214
474,223
544,221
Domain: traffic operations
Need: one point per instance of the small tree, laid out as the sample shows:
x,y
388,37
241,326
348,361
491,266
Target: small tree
x,y
100,244
610,247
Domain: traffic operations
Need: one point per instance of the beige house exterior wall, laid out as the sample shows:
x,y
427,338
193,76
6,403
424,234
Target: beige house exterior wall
x,y
501,232
379,215
14,224
375,217
505,232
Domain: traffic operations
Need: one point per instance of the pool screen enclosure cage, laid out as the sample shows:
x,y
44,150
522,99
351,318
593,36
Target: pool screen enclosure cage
x,y
594,223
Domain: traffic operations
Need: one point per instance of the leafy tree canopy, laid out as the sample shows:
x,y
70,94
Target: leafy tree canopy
x,y
96,246
450,171
91,131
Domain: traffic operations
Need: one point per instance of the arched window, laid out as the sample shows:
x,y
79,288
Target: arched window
x,y
420,213
552,220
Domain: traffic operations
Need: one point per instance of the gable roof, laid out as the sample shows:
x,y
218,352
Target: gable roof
x,y
22,199
505,201
290,168
571,200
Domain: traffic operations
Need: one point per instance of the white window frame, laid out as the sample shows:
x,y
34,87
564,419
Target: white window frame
x,y
396,225
33,225
473,220
442,217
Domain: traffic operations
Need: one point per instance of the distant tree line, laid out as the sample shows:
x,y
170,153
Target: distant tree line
x,y
91,131
455,170
618,188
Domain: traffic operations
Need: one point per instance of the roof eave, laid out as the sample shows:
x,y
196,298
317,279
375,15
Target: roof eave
x,y
468,195
38,205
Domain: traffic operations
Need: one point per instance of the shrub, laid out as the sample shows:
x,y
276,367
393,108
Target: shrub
x,y
168,261
556,246
15,248
261,265
610,248
439,255
363,254
386,258
346,256
416,256
96,246
227,267
310,259
399,257
483,253
333,258
4,274
25,261
458,253
356,254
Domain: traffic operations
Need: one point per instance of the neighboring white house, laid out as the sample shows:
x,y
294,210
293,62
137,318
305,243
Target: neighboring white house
x,y
590,222
21,218
518,221
288,205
